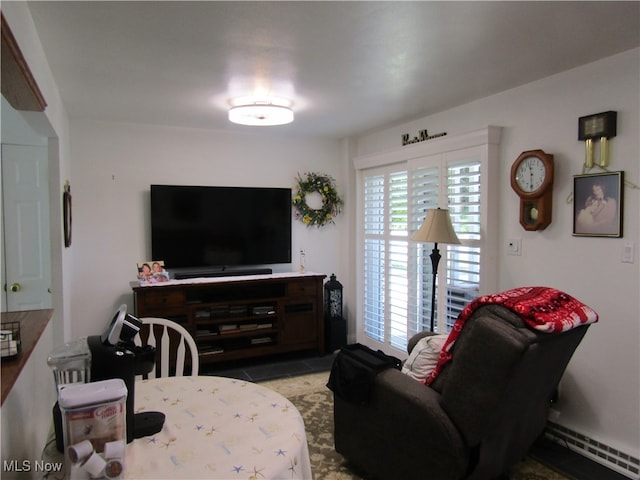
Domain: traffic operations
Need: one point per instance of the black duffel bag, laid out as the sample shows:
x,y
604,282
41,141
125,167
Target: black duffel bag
x,y
354,369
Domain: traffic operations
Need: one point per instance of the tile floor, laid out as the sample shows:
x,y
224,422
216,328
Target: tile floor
x,y
554,455
270,368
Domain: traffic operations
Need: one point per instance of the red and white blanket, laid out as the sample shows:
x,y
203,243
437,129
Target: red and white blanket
x,y
542,308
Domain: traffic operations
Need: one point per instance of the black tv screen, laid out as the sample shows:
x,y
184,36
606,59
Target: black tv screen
x,y
198,226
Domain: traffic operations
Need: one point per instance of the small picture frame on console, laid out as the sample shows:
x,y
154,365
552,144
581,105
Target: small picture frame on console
x,y
152,271
598,204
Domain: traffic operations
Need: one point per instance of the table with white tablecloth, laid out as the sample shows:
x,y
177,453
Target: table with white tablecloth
x,y
218,428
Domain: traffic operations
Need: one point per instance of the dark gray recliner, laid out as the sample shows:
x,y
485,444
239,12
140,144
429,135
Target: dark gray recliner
x,y
478,419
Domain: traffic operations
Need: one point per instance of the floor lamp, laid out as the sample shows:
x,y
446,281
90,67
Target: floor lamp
x,y
437,228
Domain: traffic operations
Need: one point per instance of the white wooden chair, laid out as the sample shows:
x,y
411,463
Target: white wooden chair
x,y
172,341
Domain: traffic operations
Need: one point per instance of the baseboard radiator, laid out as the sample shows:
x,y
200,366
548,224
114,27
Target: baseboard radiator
x,y
607,456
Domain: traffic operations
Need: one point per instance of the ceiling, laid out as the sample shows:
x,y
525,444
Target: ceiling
x,y
348,67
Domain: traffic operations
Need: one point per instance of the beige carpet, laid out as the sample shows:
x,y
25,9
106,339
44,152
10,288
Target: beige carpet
x,y
315,402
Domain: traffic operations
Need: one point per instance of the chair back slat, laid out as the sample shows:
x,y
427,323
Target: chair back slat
x,y
174,346
137,341
151,341
180,358
164,352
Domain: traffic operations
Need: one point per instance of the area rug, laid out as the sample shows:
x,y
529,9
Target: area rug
x,y
314,401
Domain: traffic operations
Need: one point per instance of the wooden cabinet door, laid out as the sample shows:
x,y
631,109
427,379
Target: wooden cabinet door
x,y
298,322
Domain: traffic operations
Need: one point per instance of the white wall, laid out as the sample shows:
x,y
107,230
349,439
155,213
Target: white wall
x,y
600,390
113,166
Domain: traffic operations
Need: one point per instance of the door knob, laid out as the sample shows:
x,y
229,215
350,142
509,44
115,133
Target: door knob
x,y
15,287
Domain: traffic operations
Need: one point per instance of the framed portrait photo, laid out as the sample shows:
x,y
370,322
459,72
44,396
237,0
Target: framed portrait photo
x,y
598,204
152,271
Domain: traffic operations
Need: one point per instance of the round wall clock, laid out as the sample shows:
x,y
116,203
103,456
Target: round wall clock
x,y
532,180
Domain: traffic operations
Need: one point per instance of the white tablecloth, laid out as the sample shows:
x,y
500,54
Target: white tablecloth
x,y
218,428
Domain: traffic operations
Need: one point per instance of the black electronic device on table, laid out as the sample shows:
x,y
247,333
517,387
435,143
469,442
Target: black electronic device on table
x,y
112,354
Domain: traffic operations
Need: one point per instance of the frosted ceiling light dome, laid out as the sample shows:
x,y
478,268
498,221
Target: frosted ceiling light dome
x,y
260,114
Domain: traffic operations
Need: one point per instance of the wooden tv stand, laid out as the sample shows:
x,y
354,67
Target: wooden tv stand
x,y
240,317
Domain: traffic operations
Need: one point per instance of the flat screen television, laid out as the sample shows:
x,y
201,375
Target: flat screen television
x,y
220,227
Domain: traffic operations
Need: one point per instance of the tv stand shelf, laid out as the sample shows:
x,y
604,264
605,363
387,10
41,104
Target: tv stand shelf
x,y
243,316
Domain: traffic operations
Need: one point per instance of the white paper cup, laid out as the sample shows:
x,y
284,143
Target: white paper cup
x,y
94,464
114,450
80,451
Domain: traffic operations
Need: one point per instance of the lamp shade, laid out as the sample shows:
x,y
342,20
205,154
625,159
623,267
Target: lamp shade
x,y
436,228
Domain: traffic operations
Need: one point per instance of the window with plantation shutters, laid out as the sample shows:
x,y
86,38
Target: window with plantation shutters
x,y
425,194
375,188
396,273
463,265
385,254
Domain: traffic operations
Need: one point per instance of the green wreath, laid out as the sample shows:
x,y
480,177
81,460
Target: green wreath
x,y
331,201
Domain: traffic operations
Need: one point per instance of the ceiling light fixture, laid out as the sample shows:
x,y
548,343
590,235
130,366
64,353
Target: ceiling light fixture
x,y
260,114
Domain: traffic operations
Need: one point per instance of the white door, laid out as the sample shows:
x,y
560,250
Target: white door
x,y
25,208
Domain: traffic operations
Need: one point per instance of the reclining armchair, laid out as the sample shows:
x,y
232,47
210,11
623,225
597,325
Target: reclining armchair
x,y
476,420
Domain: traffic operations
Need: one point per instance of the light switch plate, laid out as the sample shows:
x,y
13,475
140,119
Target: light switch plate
x,y
514,246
